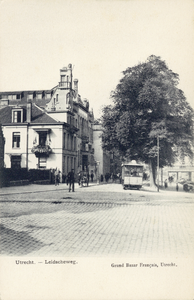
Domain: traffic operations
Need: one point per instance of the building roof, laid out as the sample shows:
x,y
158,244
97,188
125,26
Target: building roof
x,y
38,115
23,95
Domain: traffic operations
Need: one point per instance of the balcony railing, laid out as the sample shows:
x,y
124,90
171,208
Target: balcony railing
x,y
72,129
66,85
85,138
41,150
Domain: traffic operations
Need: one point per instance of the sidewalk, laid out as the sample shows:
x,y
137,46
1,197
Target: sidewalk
x,y
39,188
36,188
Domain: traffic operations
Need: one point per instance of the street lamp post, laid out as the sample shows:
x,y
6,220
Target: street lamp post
x,y
158,162
98,163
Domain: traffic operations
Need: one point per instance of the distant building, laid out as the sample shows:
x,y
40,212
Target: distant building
x,y
101,156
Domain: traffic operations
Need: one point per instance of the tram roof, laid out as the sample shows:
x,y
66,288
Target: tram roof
x,y
132,164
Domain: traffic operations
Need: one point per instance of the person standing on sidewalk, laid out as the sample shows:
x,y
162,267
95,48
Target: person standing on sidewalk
x,y
71,180
56,177
165,183
92,176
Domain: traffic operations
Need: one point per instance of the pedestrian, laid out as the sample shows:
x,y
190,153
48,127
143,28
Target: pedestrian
x,y
52,176
119,178
106,177
165,183
79,178
88,178
59,177
92,176
177,186
71,180
64,178
56,177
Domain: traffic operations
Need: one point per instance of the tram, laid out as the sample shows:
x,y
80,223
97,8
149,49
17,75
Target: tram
x,y
132,175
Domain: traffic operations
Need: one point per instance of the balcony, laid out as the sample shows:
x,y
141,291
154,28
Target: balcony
x,y
66,85
85,138
41,151
72,129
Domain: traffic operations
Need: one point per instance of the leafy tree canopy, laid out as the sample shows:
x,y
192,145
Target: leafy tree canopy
x,y
148,103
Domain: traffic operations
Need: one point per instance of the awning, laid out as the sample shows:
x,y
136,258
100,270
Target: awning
x,y
14,154
43,130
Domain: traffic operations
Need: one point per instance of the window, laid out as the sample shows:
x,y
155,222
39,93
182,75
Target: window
x,y
39,96
72,143
12,97
64,141
74,163
42,138
62,78
68,142
16,140
16,161
42,162
17,116
67,164
64,165
30,96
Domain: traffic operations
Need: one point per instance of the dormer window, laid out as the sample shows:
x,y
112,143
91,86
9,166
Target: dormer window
x,y
17,116
12,97
48,95
39,96
31,95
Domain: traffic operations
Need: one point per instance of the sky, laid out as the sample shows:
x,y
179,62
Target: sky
x,y
99,38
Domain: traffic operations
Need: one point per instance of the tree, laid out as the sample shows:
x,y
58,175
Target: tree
x,y
147,103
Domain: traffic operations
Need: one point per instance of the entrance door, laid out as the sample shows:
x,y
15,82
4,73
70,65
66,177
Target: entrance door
x,y
15,161
84,162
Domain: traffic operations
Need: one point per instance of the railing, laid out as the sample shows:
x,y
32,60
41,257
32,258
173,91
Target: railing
x,y
41,150
85,138
66,85
72,129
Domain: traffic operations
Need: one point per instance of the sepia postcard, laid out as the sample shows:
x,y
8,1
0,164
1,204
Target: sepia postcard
x,y
96,145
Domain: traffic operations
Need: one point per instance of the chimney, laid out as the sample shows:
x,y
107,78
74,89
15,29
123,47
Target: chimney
x,y
29,112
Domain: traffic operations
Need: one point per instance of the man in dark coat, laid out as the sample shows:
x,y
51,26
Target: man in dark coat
x,y
92,176
71,180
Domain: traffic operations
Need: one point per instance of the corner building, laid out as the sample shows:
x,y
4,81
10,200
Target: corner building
x,y
50,129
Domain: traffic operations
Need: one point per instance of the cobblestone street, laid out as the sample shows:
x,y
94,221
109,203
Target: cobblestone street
x,y
101,220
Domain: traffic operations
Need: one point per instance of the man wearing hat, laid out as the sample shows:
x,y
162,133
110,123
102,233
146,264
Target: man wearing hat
x,y
71,180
